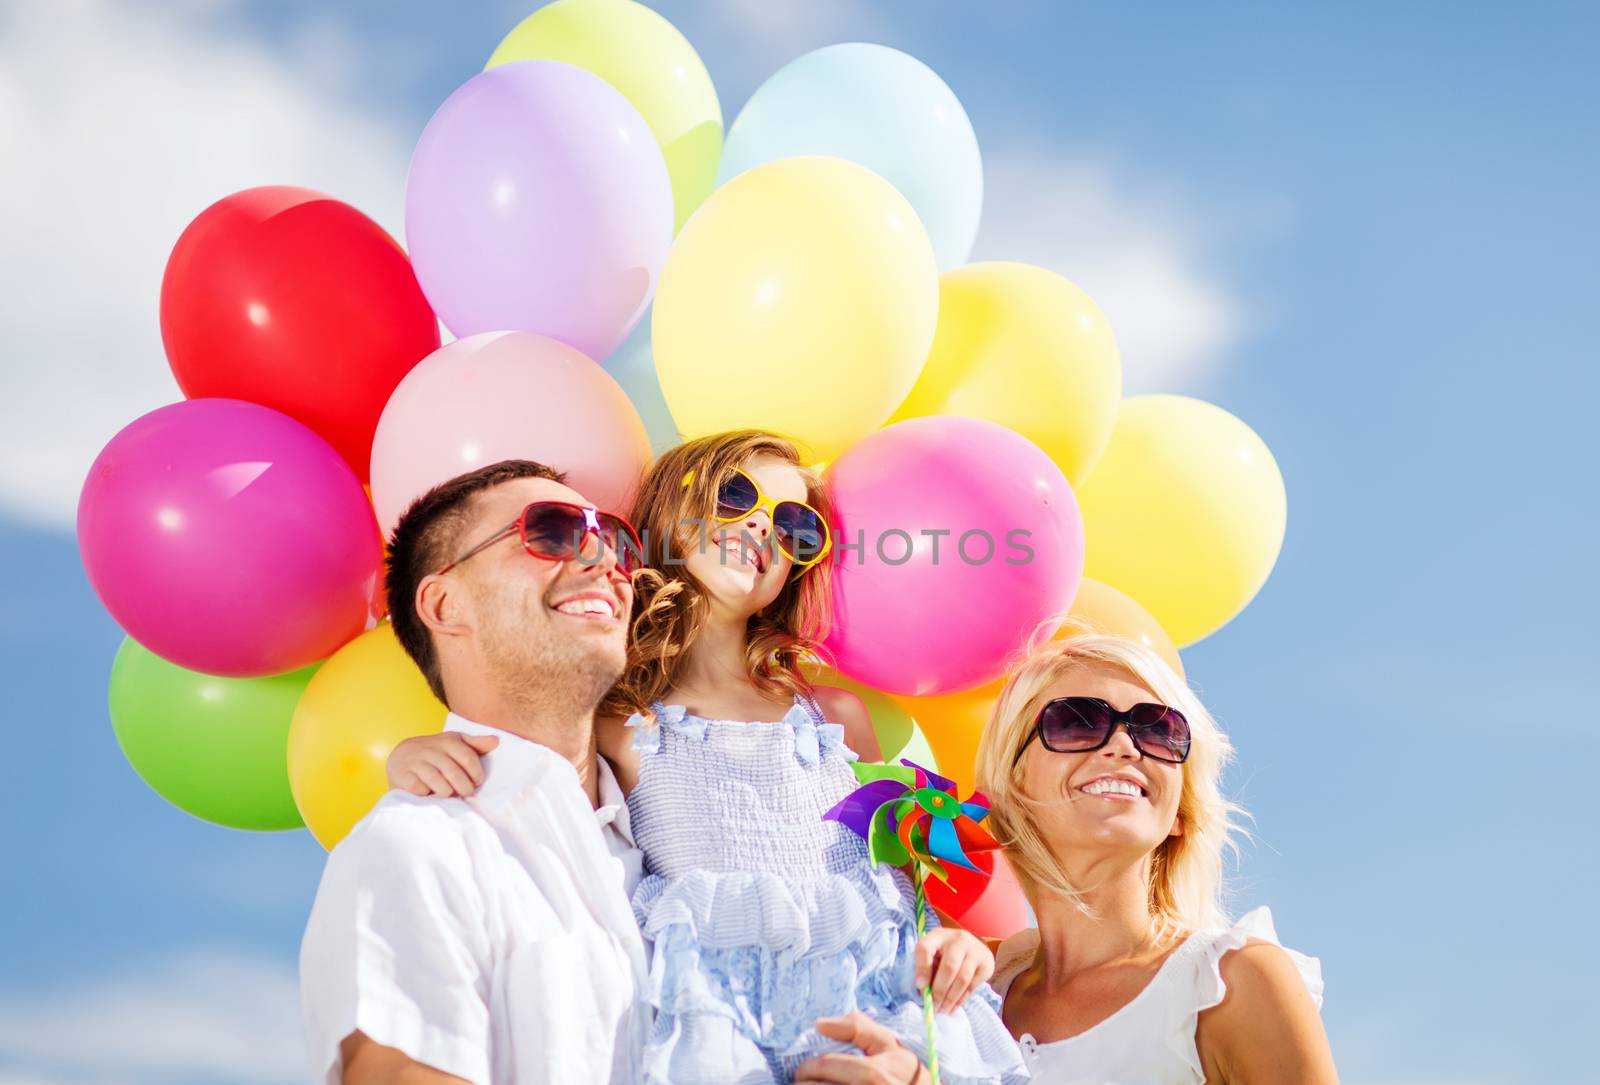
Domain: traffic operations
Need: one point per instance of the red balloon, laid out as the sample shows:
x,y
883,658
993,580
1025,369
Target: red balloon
x,y
990,904
296,301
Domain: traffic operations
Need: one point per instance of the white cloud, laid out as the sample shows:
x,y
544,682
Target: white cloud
x,y
1143,258
214,1017
8,1077
121,123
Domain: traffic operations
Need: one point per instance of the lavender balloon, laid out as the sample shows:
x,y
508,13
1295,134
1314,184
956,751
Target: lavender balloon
x,y
228,538
539,201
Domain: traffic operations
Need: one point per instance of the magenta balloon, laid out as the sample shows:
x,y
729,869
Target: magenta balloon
x,y
502,396
956,539
228,538
539,201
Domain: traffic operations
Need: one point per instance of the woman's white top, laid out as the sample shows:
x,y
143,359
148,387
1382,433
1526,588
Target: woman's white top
x,y
1150,1041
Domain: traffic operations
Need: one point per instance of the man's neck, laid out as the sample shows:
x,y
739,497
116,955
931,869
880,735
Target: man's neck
x,y
566,730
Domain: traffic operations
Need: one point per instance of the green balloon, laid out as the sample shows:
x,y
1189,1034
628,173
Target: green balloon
x,y
214,747
918,751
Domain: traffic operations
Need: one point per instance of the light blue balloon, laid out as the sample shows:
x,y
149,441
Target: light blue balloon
x,y
881,109
634,367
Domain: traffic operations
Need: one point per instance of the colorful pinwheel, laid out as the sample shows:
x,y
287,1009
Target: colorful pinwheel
x,y
907,814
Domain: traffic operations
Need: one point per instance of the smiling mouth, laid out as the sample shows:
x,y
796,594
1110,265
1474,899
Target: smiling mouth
x,y
743,554
1119,790
590,608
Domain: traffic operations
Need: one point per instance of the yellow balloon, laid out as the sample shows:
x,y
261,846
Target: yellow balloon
x,y
1023,347
1100,608
645,58
1185,512
366,698
800,299
954,722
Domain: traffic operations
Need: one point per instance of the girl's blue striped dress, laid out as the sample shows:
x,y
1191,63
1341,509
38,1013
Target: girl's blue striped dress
x,y
760,916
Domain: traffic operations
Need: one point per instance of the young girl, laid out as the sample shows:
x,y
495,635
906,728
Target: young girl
x,y
760,916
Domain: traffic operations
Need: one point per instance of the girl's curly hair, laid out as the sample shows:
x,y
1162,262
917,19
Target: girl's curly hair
x,y
670,605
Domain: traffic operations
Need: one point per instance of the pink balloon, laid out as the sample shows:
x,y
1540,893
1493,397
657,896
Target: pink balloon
x,y
504,396
539,201
956,538
228,538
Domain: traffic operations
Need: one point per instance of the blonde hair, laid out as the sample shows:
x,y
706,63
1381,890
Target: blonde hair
x,y
670,605
1186,871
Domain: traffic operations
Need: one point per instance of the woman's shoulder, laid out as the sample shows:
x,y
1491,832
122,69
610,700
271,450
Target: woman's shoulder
x,y
1259,974
1256,1002
1248,955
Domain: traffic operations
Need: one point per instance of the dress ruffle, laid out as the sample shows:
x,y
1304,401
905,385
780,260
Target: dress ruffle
x,y
743,962
1209,990
789,918
754,936
771,953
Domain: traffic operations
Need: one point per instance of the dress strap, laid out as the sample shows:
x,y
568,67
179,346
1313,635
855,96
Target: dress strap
x,y
813,734
812,708
647,732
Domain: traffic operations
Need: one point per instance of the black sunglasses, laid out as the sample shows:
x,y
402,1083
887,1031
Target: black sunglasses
x,y
1081,724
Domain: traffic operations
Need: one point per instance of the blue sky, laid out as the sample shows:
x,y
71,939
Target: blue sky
x,y
1368,232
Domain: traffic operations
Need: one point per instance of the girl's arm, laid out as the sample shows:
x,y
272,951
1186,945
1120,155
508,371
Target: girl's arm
x,y
842,706
445,764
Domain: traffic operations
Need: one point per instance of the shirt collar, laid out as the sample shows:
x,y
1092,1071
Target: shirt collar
x,y
518,761
613,809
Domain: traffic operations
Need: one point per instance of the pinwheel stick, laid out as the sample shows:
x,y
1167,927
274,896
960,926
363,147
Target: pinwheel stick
x,y
908,815
927,991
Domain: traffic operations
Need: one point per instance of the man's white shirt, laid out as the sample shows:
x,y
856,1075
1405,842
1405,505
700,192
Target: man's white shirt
x,y
489,937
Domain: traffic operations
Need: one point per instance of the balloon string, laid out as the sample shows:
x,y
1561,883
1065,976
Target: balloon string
x,y
927,992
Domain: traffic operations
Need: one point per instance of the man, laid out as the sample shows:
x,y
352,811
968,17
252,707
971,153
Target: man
x,y
491,938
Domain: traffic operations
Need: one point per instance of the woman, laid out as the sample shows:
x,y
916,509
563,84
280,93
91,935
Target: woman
x,y
1102,770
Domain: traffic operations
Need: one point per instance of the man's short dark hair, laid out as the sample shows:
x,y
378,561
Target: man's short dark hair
x,y
427,538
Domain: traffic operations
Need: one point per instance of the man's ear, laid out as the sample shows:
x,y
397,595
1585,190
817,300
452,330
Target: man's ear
x,y
443,606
